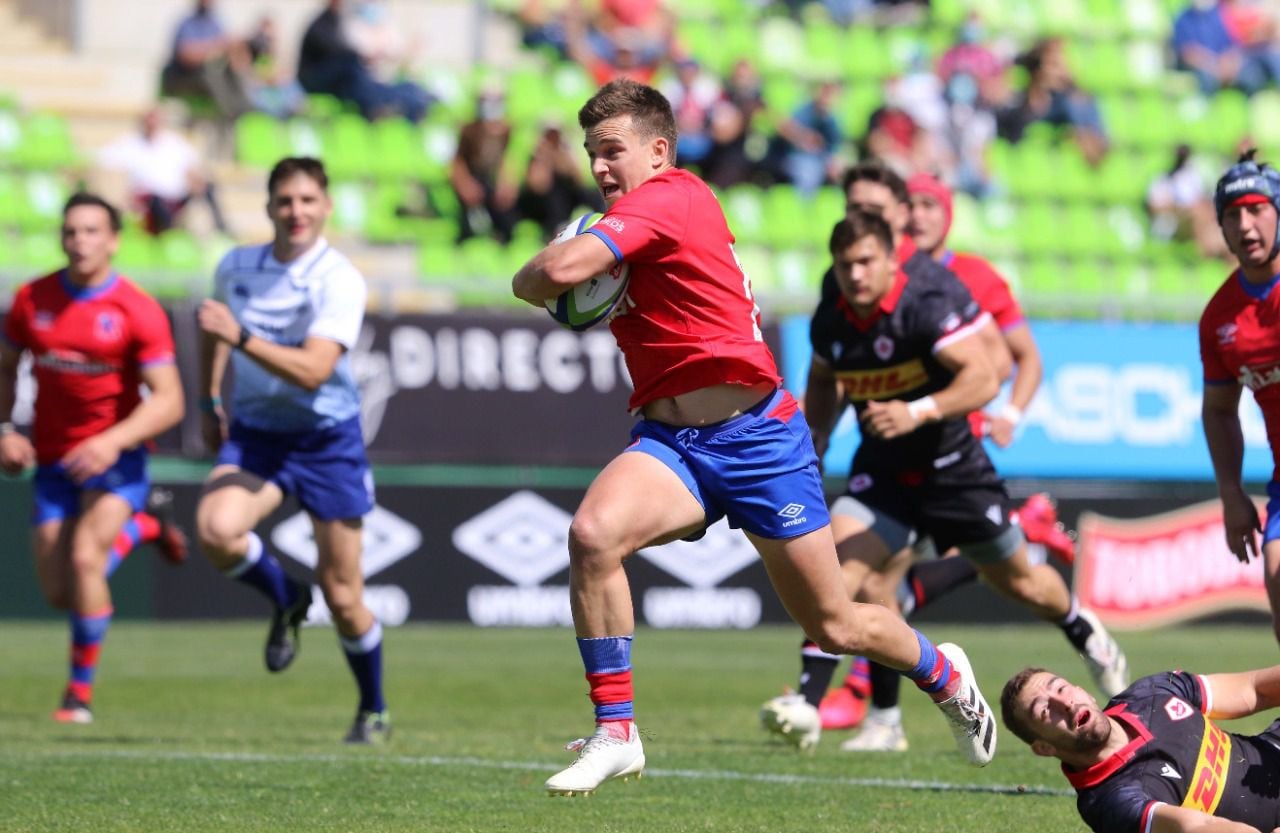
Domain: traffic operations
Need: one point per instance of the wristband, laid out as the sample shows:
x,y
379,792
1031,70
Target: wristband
x,y
245,335
923,408
7,428
210,404
1011,414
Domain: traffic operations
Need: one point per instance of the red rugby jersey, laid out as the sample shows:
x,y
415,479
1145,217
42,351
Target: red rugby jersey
x,y
986,286
689,320
1240,343
88,346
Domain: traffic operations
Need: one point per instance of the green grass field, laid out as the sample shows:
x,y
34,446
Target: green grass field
x,y
192,734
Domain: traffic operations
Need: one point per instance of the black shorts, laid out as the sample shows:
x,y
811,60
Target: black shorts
x,y
974,517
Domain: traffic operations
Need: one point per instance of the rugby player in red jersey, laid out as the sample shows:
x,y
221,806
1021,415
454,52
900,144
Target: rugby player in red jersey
x,y
93,337
1240,347
717,437
1154,759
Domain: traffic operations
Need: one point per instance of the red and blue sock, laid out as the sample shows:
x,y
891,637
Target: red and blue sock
x,y
87,633
858,680
607,660
364,655
140,529
934,673
261,570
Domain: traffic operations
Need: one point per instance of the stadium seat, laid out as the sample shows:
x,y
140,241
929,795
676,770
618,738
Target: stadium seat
x,y
10,195
797,278
744,209
866,56
45,194
39,253
260,140
10,134
177,251
782,46
787,216
45,143
304,138
1264,118
1044,287
348,146
824,47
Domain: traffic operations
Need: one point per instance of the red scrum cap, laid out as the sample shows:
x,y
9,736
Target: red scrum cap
x,y
932,186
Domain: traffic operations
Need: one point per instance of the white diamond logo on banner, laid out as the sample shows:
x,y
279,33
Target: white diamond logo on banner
x,y
708,561
388,538
524,538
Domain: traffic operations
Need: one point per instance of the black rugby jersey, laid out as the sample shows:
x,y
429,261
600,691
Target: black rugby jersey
x,y
1178,756
891,356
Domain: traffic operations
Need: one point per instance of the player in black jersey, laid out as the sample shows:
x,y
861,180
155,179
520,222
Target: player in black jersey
x,y
903,351
1154,760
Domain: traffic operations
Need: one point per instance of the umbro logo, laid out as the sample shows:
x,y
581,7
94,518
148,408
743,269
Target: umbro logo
x,y
1169,772
1227,334
791,510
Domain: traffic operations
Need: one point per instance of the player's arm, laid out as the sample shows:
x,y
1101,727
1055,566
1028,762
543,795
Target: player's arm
x,y
1230,696
1167,818
998,352
16,451
821,395
307,366
1028,373
154,415
214,355
560,266
1220,416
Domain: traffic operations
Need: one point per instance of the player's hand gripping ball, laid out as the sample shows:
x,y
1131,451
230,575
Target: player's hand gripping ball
x,y
593,300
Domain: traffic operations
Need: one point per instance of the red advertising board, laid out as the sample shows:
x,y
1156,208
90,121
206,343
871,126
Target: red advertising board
x,y
1143,573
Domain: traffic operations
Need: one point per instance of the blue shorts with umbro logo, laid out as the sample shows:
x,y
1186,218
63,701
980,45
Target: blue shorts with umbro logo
x,y
758,469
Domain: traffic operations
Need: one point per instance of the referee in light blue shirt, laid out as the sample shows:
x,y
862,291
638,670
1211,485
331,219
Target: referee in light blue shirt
x,y
286,314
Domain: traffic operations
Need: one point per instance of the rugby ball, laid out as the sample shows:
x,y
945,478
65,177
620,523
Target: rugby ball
x,y
595,299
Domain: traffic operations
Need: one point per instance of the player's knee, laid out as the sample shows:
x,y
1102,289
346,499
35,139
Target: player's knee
x,y
87,559
593,543
344,600
218,533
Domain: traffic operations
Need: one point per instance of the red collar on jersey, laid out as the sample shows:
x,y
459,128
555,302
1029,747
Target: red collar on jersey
x,y
887,304
1102,770
906,248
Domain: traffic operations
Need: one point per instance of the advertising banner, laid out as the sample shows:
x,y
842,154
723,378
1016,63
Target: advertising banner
x,y
1117,401
1145,573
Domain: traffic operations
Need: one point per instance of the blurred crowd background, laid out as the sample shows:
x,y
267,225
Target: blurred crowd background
x,y
1082,137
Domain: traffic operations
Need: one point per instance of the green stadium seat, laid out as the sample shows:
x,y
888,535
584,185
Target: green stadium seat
x,y
136,255
1147,19
397,152
350,206
786,216
1080,231
322,107
782,45
177,251
797,274
702,40
1090,290
39,253
10,134
347,146
1044,289
824,47
45,194
757,263
1038,230
744,209
866,55
438,262
784,92
1264,118
260,140
304,138
11,194
45,143
967,233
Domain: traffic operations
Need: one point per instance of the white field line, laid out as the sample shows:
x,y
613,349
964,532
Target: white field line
x,y
485,763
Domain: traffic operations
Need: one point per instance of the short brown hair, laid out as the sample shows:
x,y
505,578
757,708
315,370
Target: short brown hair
x,y
85,198
1009,698
873,170
649,109
291,165
858,225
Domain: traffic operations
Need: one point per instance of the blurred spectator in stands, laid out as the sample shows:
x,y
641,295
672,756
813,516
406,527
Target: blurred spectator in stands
x,y
1226,44
974,85
542,24
1052,96
328,63
693,95
805,148
608,50
206,63
730,161
270,86
873,12
389,53
486,192
163,172
553,182
897,140
1181,207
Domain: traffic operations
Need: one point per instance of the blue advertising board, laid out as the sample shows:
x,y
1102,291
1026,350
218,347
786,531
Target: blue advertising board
x,y
1117,401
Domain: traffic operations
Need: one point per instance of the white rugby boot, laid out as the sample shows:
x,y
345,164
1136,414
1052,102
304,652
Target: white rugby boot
x,y
794,718
1104,658
967,712
602,756
881,731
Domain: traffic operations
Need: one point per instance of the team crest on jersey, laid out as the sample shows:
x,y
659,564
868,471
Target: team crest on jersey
x,y
42,320
883,345
107,326
1178,709
951,322
1226,334
994,514
859,483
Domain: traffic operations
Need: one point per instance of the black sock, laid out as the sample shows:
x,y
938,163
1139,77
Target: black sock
x,y
1077,628
885,684
932,579
817,667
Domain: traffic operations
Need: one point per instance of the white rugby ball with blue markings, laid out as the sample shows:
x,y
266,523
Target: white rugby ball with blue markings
x,y
593,300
